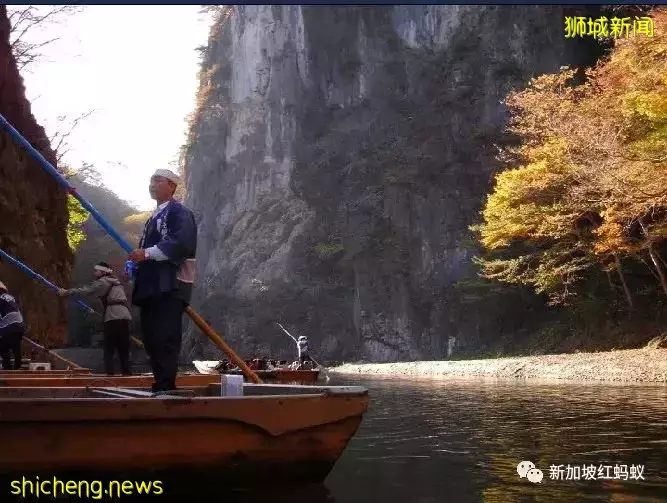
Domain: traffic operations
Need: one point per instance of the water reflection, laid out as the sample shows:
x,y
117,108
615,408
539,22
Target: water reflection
x,y
461,441
309,494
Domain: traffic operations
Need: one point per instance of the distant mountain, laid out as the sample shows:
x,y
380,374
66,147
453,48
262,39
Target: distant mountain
x,y
98,246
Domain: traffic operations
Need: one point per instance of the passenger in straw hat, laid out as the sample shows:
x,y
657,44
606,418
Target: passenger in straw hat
x,y
117,316
165,267
12,329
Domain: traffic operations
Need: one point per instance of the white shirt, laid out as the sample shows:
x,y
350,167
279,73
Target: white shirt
x,y
154,252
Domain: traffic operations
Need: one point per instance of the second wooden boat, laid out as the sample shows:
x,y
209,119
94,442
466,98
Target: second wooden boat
x,y
282,375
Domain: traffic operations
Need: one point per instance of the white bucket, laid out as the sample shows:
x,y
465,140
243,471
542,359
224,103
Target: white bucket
x,y
231,385
39,366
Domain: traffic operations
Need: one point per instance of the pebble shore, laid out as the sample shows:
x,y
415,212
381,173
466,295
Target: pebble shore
x,y
632,365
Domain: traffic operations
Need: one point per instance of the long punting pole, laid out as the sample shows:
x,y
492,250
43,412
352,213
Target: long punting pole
x,y
41,278
69,188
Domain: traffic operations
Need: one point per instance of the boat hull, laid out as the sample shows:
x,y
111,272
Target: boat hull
x,y
287,376
252,460
269,440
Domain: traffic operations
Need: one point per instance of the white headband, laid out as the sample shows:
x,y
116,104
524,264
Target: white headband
x,y
103,269
168,174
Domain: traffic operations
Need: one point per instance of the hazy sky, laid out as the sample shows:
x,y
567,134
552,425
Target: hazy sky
x,y
136,66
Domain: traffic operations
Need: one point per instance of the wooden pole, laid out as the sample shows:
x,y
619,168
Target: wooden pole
x,y
69,188
72,364
217,340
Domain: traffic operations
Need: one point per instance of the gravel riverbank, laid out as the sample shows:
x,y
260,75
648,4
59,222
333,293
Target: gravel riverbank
x,y
632,365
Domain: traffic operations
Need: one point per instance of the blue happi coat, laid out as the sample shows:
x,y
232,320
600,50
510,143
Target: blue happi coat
x,y
174,231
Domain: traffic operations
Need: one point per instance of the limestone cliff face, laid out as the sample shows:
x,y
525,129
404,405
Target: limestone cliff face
x,y
33,211
340,155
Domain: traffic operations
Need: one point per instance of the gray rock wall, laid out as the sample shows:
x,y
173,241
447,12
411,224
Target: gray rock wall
x,y
341,156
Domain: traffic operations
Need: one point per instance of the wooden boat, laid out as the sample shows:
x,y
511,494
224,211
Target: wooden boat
x,y
283,375
81,380
273,435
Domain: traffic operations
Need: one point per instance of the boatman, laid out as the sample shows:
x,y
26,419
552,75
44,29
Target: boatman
x,y
117,317
165,266
12,329
302,346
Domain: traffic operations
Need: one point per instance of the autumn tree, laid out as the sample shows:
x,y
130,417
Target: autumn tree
x,y
77,216
586,187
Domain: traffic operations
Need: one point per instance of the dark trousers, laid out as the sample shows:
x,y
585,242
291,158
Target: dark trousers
x,y
304,357
10,343
162,327
117,338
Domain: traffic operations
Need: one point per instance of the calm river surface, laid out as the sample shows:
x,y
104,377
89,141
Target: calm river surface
x,y
460,441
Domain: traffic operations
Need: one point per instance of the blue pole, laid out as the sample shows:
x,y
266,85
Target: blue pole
x,y
63,181
129,265
41,278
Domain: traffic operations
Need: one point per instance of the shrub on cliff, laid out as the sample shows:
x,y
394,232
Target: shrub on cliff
x,y
77,216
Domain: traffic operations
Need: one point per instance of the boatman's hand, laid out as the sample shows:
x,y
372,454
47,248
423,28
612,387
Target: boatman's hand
x,y
62,292
137,255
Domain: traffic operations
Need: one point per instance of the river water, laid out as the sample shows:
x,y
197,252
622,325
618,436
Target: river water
x,y
461,441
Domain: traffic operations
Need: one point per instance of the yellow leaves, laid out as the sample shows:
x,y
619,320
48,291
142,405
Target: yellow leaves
x,y
133,226
77,216
593,162
527,202
650,105
612,238
137,219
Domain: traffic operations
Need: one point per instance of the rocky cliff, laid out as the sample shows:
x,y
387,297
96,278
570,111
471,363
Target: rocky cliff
x,y
337,158
32,209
